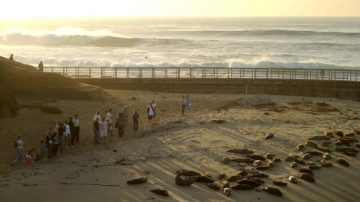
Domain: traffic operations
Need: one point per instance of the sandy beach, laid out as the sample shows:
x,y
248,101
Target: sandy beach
x,y
196,142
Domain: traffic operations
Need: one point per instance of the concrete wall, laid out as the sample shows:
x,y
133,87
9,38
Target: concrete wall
x,y
312,88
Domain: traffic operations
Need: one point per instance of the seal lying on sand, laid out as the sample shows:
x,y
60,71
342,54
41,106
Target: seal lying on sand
x,y
188,173
227,192
273,191
161,192
307,177
181,180
343,162
138,180
293,179
240,151
213,186
242,187
279,183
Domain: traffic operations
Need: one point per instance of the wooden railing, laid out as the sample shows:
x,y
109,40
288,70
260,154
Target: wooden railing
x,y
207,73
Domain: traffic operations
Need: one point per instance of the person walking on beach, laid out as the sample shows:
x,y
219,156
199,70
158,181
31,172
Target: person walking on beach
x,y
187,104
67,134
19,145
103,130
76,129
150,114
96,131
120,125
109,120
183,104
135,118
41,66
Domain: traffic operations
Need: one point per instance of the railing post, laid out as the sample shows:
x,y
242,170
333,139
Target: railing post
x,y
127,73
90,72
178,73
101,72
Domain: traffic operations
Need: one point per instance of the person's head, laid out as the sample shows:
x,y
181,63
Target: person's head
x,y
70,118
110,110
153,101
19,137
183,96
187,96
65,122
42,142
97,112
76,116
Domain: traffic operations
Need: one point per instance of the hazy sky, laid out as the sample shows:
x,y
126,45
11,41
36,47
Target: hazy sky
x,y
72,8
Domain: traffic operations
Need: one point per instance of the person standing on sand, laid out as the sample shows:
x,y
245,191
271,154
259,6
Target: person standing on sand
x,y
103,130
19,145
109,120
72,131
48,141
67,133
96,131
41,66
42,149
11,57
150,114
76,128
61,137
153,105
183,105
97,116
120,124
55,144
188,104
135,118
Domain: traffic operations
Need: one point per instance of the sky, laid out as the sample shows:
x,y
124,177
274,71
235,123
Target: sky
x,y
18,9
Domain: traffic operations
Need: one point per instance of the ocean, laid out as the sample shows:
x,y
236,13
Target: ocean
x,y
185,42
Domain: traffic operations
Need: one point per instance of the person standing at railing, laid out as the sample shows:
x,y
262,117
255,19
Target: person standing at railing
x,y
41,66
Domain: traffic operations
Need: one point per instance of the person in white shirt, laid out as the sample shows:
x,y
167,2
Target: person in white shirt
x,y
97,116
67,133
153,105
103,130
76,122
150,113
109,120
188,104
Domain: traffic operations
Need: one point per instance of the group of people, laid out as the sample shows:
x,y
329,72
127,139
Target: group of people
x,y
185,104
104,126
40,66
63,134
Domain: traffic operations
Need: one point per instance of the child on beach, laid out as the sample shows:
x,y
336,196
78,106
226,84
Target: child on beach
x,y
19,145
135,118
150,114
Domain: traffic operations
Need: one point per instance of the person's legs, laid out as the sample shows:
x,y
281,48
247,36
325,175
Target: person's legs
x,y
77,135
182,109
20,155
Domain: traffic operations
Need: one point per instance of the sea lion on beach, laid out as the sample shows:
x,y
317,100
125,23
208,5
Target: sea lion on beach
x,y
161,192
293,165
269,156
257,180
269,136
256,157
293,179
221,176
227,192
343,162
259,175
305,170
314,167
306,156
188,173
276,160
235,178
327,156
271,164
263,168
242,187
240,151
138,180
319,137
242,160
311,144
257,163
328,134
325,163
181,180
325,143
300,147
213,186
273,191
324,149
219,121
279,183
249,182
204,179
350,135
225,184
307,177
225,160
314,153
347,151
339,133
